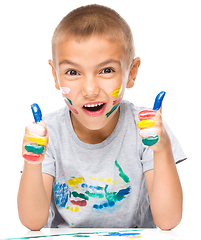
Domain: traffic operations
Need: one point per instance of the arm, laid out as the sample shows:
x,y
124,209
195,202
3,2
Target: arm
x,y
35,188
34,196
165,192
164,188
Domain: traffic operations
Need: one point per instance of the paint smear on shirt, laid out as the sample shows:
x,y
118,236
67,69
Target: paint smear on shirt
x,y
103,195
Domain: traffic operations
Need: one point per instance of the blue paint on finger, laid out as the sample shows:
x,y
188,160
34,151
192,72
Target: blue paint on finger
x,y
158,101
36,112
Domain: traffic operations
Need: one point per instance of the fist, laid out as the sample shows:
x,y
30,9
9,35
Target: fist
x,y
35,139
152,131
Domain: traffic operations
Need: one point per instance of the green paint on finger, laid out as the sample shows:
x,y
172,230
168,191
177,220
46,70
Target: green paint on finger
x,y
34,148
150,141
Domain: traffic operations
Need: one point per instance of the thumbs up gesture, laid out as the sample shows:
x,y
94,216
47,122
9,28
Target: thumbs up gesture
x,y
152,131
35,138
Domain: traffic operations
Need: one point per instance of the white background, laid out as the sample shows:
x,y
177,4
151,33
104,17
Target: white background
x,y
167,39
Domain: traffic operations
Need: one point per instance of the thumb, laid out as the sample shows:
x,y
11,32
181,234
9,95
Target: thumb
x,y
158,102
37,114
39,127
160,109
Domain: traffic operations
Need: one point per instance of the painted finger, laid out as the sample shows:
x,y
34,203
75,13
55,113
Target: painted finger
x,y
148,132
146,123
147,114
33,157
36,139
37,130
158,100
34,148
36,112
150,141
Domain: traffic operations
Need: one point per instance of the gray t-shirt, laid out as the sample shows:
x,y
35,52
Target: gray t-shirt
x,y
100,185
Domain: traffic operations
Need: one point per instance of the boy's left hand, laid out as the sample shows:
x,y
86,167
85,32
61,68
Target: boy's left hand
x,y
152,130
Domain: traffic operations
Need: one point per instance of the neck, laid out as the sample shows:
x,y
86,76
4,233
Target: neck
x,y
94,136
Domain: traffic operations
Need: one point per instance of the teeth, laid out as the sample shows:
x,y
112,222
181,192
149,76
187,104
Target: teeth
x,y
93,105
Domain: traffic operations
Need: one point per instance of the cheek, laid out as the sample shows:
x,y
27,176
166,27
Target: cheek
x,y
117,95
67,98
65,90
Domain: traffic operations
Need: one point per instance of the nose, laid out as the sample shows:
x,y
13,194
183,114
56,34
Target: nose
x,y
90,88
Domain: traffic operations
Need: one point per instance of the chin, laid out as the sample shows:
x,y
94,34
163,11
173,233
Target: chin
x,y
95,125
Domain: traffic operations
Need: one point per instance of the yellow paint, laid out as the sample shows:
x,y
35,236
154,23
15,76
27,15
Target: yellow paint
x,y
73,209
36,139
76,209
93,178
146,123
108,180
75,181
101,179
115,93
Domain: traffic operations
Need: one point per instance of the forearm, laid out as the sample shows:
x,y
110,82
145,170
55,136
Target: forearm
x,y
166,194
33,204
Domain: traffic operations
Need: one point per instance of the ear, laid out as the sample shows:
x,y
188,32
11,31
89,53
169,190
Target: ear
x,y
54,74
133,72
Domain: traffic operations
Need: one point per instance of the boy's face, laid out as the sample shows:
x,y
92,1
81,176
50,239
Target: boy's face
x,y
92,75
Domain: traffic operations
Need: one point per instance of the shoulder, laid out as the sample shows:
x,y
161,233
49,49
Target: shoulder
x,y
135,110
56,119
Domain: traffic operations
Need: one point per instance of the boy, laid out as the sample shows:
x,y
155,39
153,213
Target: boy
x,y
95,171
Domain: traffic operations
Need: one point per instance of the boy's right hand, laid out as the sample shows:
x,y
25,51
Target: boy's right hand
x,y
35,139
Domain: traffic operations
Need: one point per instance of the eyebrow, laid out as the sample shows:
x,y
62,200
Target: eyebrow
x,y
99,65
68,62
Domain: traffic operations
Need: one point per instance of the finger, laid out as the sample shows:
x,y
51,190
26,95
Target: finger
x,y
37,129
160,109
34,148
36,139
36,112
147,114
146,123
148,132
33,157
150,141
158,100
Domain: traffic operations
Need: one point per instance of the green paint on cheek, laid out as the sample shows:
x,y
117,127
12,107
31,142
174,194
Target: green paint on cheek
x,y
150,141
68,100
34,148
112,110
121,173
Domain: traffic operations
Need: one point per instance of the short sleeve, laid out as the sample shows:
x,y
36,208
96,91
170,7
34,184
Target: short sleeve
x,y
49,165
147,154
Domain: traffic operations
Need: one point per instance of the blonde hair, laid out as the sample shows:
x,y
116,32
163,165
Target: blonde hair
x,y
94,19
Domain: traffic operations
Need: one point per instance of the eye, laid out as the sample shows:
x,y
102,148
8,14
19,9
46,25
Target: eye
x,y
107,70
72,72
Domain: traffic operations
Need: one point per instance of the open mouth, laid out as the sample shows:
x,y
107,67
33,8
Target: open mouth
x,y
94,107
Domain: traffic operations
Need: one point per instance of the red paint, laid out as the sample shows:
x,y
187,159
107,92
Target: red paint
x,y
73,109
81,203
31,156
117,100
147,114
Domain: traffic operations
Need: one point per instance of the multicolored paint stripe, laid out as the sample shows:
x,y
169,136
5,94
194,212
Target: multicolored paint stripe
x,y
112,110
